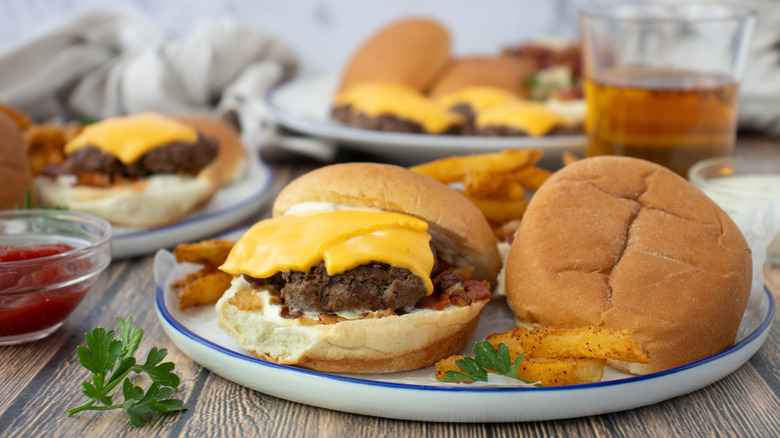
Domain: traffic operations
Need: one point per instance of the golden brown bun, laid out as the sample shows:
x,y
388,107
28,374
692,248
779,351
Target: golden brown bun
x,y
458,228
14,167
156,200
628,244
500,72
409,52
379,345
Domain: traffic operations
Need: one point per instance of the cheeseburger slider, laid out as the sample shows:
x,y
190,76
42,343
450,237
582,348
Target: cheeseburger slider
x,y
627,244
364,268
390,107
143,170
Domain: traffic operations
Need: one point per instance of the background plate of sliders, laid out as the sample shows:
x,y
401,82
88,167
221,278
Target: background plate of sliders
x,y
405,97
417,395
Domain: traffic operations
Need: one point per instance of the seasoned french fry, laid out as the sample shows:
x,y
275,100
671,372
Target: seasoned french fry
x,y
531,177
498,211
552,356
452,169
207,285
46,144
558,372
205,289
492,185
448,364
591,342
569,158
206,252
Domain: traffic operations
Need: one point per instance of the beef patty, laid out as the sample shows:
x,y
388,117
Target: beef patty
x,y
375,286
176,158
386,122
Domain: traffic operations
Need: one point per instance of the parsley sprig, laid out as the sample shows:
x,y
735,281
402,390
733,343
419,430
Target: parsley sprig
x,y
110,358
486,358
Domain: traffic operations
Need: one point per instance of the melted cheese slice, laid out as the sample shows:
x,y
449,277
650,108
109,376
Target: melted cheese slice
x,y
343,239
378,99
129,138
534,118
478,98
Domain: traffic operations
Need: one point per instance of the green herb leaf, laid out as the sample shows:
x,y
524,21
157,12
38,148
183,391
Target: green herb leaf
x,y
486,358
111,354
454,376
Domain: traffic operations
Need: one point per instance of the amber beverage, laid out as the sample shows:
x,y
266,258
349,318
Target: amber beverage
x,y
671,117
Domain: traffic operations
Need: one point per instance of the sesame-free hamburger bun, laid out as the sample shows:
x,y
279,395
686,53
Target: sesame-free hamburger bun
x,y
144,170
410,52
14,165
402,230
505,73
627,244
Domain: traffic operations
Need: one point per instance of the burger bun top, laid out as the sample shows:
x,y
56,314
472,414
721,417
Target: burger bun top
x,y
409,52
627,244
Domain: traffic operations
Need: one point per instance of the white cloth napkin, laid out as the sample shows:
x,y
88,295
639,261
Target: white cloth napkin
x,y
107,63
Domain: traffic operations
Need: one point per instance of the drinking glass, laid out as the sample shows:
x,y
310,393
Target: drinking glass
x,y
662,79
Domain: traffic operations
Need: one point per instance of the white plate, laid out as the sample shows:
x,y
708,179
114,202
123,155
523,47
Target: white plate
x,y
229,206
303,104
416,395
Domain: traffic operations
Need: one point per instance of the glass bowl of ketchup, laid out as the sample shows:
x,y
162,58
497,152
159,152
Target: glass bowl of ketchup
x,y
49,260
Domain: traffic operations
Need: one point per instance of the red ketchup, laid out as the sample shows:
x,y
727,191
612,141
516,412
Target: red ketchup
x,y
31,311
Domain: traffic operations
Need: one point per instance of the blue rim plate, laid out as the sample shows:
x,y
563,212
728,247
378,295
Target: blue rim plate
x,y
417,396
303,104
228,207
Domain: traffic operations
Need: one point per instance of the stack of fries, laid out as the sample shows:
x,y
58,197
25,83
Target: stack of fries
x,y
555,356
206,285
45,142
497,183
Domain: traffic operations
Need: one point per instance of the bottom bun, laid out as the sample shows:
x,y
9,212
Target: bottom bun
x,y
370,345
150,202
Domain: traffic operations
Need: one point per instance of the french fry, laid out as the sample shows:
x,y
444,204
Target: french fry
x,y
206,285
558,372
448,364
46,144
206,252
531,177
555,343
492,185
569,158
498,211
204,289
453,169
22,120
551,356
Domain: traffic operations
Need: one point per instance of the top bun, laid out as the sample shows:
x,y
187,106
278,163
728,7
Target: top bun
x,y
409,52
458,228
627,244
504,73
14,165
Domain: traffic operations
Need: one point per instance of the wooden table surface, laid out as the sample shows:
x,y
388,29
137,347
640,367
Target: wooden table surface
x,y
39,381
